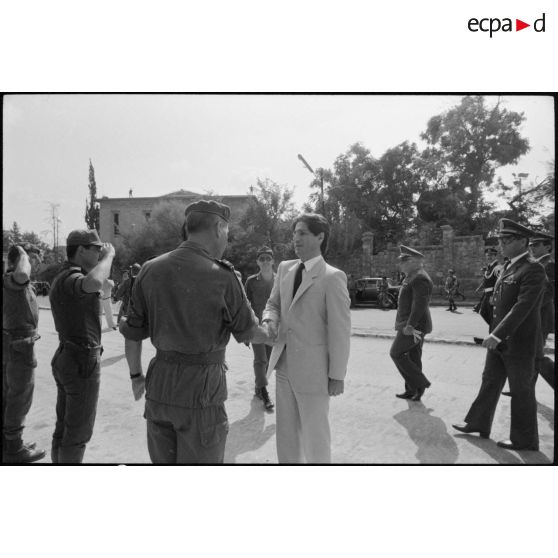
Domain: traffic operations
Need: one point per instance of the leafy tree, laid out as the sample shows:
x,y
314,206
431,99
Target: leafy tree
x,y
92,211
15,234
465,146
266,221
160,234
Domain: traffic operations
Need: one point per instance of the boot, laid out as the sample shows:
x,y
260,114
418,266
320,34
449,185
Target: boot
x,y
70,454
15,451
262,394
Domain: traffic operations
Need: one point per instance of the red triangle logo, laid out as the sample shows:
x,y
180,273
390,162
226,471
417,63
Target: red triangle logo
x,y
519,25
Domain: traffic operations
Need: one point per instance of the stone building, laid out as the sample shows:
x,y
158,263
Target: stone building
x,y
119,216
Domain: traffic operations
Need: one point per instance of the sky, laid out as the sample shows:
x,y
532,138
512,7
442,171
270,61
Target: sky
x,y
156,144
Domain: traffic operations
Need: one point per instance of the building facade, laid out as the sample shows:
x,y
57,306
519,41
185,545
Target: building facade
x,y
118,217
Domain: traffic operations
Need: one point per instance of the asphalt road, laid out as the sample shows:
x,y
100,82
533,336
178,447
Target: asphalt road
x,y
369,425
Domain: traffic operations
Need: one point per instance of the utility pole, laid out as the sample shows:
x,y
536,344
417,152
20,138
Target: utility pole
x,y
305,163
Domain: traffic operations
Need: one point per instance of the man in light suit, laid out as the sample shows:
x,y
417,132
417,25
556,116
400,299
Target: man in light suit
x,y
309,312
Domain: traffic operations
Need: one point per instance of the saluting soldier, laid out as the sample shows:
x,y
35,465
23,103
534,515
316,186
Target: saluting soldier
x,y
540,246
75,300
412,323
512,343
20,319
188,301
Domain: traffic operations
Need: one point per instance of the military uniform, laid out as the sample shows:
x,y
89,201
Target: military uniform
x,y
543,364
188,304
20,318
257,292
76,365
412,310
489,279
516,322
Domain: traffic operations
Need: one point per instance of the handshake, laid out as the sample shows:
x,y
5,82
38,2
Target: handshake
x,y
265,333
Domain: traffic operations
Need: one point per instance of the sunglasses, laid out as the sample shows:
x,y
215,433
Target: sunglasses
x,y
507,239
265,259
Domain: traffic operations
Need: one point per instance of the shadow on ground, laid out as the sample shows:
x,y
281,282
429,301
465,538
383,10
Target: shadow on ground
x,y
111,360
547,413
248,433
429,434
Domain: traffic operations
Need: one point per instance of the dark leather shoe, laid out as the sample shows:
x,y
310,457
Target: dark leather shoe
x,y
418,394
478,340
466,429
405,395
506,393
508,444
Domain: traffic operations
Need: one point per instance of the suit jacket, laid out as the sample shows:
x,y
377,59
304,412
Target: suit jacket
x,y
413,303
547,304
517,300
315,326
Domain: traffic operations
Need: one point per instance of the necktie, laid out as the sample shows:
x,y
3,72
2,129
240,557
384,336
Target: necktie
x,y
298,278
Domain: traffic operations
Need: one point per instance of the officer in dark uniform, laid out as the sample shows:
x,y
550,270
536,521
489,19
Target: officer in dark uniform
x,y
188,302
20,318
540,247
75,299
412,323
512,343
489,278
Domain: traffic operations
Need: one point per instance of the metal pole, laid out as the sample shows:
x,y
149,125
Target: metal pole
x,y
322,188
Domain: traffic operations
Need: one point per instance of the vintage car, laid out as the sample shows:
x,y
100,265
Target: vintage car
x,y
366,290
41,287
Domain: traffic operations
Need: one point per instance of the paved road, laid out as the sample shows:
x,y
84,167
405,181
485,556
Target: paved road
x,y
369,425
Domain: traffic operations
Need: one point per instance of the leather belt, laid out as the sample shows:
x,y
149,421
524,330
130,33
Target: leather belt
x,y
215,357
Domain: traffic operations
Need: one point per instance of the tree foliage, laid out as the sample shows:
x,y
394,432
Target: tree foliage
x,y
465,147
92,210
267,221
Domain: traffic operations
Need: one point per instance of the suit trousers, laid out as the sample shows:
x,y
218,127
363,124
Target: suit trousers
x,y
303,434
520,373
406,353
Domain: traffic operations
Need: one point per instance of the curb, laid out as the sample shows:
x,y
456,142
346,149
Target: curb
x,y
364,333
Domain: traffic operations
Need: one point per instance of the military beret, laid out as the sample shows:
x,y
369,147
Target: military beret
x,y
265,250
82,237
539,236
205,206
507,226
406,252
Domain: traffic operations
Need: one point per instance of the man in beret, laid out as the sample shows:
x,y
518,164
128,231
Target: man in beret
x,y
258,288
20,318
75,301
189,302
309,310
512,343
412,323
540,246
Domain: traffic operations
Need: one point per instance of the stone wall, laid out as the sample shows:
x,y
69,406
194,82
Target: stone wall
x,y
464,254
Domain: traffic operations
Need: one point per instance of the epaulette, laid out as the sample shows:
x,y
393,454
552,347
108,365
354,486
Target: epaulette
x,y
225,263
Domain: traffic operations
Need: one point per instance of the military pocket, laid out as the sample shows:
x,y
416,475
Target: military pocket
x,y
214,434
88,363
24,353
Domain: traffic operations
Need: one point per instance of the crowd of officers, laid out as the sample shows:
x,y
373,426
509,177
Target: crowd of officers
x,y
187,391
